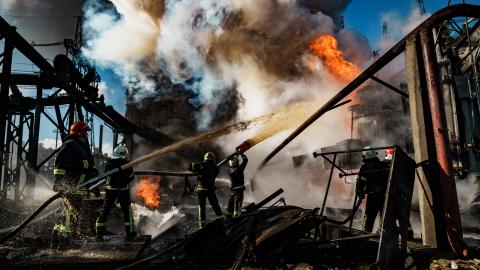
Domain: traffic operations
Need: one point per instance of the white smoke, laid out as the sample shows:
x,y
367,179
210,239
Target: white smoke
x,y
257,48
399,25
120,42
50,143
153,222
206,46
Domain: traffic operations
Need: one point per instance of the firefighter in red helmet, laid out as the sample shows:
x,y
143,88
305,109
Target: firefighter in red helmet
x,y
74,164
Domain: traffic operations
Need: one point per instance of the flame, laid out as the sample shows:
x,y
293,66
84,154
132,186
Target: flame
x,y
147,191
325,47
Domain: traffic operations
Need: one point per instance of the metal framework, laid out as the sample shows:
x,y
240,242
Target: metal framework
x,y
20,117
429,126
396,212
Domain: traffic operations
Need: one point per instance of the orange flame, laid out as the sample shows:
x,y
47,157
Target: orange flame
x,y
325,47
147,191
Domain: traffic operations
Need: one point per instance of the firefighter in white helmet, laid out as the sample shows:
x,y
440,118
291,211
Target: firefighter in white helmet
x,y
235,171
372,181
118,188
207,173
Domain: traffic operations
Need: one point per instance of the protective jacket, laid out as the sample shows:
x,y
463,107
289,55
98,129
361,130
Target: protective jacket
x,y
236,173
118,189
373,176
118,180
73,165
207,171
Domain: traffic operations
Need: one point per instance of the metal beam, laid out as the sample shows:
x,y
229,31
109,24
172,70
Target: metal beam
x,y
24,47
397,49
4,91
389,86
33,148
61,125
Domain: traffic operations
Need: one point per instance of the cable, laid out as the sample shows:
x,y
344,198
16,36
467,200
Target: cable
x,y
30,218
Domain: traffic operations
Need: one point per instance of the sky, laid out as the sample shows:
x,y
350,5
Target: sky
x,y
33,20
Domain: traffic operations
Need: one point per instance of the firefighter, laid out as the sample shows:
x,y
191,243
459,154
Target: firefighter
x,y
74,164
235,171
117,189
208,171
372,180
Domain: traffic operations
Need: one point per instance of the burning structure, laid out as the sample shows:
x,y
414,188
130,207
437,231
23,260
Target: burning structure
x,y
231,63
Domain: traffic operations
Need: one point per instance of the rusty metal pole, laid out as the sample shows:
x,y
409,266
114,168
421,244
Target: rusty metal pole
x,y
442,157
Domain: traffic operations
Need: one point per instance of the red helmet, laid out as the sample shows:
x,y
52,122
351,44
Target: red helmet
x,y
79,128
389,151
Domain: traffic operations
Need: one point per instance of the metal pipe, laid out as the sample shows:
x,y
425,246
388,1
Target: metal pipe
x,y
350,224
366,236
315,154
389,86
328,185
253,207
100,140
443,154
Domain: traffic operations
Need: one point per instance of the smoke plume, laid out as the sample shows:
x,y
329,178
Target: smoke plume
x,y
226,61
210,48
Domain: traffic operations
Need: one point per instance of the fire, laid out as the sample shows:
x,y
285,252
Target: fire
x,y
147,191
325,47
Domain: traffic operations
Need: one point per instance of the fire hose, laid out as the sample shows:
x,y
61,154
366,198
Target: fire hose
x,y
95,180
73,189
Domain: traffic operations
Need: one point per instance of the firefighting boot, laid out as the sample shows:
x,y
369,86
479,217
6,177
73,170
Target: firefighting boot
x,y
130,233
228,215
201,224
100,233
55,239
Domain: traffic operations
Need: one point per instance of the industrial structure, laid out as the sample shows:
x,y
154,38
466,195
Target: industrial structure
x,y
439,96
74,84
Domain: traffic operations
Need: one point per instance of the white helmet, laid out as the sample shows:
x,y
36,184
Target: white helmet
x,y
368,153
234,162
120,151
209,156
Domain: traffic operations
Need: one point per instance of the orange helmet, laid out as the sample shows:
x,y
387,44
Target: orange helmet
x,y
79,128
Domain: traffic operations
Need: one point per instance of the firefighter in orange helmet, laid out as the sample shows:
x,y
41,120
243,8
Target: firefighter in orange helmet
x,y
74,164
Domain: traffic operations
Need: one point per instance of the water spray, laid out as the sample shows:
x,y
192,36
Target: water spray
x,y
293,113
259,137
